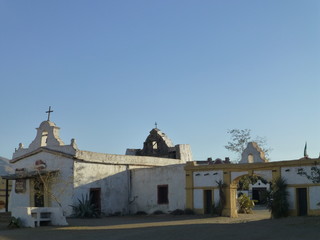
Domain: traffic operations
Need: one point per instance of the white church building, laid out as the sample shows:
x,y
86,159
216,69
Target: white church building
x,y
50,173
159,177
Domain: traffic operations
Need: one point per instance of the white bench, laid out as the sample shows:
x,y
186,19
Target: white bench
x,y
37,216
41,216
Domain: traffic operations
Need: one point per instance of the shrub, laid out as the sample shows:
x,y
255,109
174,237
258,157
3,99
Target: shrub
x,y
158,212
115,214
15,222
189,211
245,204
215,210
141,213
177,212
277,199
85,209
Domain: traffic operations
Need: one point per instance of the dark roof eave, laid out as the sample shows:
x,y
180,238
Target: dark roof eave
x,y
28,175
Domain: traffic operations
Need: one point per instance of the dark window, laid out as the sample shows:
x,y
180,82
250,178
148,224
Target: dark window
x,y
163,194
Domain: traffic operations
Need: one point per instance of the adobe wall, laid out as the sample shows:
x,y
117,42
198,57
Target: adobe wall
x,y
145,184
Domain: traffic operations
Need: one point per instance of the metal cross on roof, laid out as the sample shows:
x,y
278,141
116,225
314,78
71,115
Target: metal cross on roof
x,y
156,124
48,112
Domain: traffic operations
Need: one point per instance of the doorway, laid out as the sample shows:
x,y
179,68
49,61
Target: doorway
x,y
302,201
258,195
207,201
95,198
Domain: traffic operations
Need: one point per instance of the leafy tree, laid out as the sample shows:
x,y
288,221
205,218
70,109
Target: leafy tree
x,y
240,139
244,181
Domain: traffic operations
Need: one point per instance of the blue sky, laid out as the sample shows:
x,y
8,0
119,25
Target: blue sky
x,y
110,69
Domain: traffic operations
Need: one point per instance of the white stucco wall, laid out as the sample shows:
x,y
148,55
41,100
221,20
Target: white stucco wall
x,y
207,178
184,152
198,198
235,175
19,199
292,177
265,174
259,184
291,197
111,179
216,197
145,182
314,194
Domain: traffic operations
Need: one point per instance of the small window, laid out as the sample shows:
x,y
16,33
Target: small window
x,y
163,194
154,145
44,137
250,158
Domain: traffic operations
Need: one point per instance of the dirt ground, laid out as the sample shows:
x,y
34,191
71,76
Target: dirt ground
x,y
154,227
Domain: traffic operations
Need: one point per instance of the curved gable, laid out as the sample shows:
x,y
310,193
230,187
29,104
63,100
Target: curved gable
x,y
253,154
157,144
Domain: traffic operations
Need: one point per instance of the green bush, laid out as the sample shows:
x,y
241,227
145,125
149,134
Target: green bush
x,y
188,211
158,212
141,213
85,209
245,204
277,199
177,212
15,222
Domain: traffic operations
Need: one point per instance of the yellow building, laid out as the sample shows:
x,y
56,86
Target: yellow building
x,y
202,184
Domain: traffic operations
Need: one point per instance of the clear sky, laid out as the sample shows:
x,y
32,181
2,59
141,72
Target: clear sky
x,y
110,69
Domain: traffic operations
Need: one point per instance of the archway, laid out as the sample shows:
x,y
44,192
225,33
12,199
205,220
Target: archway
x,y
231,189
254,186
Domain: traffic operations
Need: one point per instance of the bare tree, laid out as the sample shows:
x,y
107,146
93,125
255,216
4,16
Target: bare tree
x,y
49,180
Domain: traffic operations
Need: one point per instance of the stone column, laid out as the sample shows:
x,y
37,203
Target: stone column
x,y
230,209
230,191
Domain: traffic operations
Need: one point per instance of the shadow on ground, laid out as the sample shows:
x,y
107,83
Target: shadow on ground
x,y
175,227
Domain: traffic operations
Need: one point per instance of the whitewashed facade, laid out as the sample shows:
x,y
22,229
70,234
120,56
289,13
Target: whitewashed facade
x,y
148,183
112,181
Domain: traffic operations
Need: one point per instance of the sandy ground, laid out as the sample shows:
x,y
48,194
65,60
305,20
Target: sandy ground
x,y
247,226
